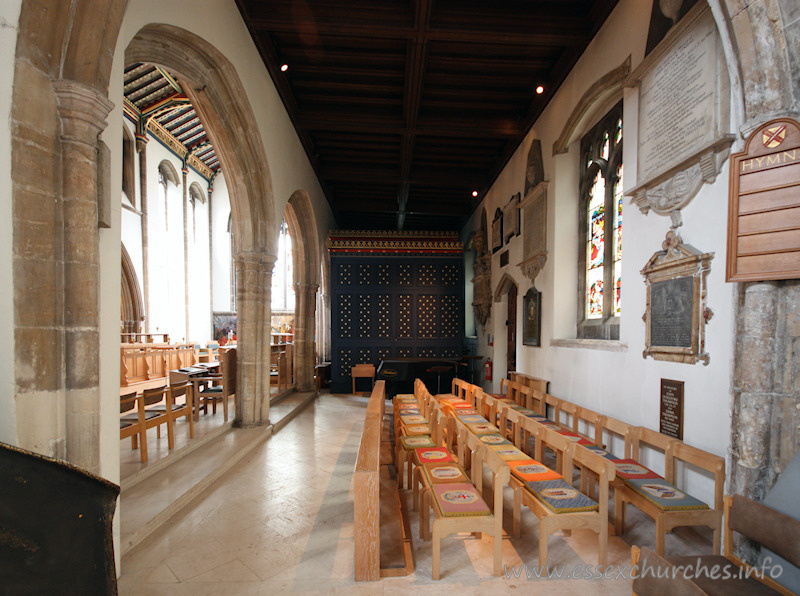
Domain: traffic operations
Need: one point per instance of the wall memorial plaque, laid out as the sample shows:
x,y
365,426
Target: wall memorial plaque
x,y
676,313
683,131
671,422
764,205
532,318
534,230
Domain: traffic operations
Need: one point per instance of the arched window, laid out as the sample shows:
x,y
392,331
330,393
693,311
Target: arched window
x,y
600,229
166,174
282,275
196,195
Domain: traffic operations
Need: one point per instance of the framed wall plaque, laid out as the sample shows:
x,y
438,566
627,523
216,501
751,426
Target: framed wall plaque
x,y
764,205
532,318
676,314
671,419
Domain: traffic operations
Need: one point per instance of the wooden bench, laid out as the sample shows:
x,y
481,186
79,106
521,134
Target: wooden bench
x,y
666,519
382,538
772,529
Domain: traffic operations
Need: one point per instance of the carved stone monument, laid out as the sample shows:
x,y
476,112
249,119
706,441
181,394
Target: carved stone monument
x,y
534,229
511,218
683,123
482,282
677,314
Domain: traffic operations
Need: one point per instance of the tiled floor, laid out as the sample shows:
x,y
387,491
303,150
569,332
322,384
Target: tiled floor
x,y
282,521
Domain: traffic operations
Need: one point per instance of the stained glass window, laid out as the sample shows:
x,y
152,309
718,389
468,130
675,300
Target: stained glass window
x,y
601,227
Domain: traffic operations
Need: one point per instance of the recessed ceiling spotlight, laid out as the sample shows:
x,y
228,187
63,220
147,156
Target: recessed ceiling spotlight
x,y
539,90
474,193
284,67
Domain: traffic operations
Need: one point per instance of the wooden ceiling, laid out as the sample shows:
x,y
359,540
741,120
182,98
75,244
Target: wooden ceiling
x,y
407,107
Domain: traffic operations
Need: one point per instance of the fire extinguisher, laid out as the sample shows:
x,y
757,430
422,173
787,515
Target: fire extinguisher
x,y
488,368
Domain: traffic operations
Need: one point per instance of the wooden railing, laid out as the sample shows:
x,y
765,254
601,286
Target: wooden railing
x,y
366,484
151,363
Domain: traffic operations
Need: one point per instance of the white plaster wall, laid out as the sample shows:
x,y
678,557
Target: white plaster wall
x,y
9,15
618,383
221,256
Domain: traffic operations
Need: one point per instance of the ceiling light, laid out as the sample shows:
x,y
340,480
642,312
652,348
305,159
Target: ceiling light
x,y
284,67
539,90
474,193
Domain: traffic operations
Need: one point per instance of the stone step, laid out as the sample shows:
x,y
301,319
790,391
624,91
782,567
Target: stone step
x,y
154,496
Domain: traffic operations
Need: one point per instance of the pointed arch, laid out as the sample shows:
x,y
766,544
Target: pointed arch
x,y
132,305
306,267
196,193
169,172
506,283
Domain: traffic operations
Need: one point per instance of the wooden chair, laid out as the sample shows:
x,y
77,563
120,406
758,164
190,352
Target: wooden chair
x,y
174,410
757,522
492,523
363,371
221,387
668,519
570,454
134,425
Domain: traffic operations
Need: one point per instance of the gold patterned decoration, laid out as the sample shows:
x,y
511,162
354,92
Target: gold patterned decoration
x,y
449,318
384,316
449,275
364,274
383,353
364,356
426,318
345,273
428,353
384,274
405,352
404,276
404,316
345,360
364,318
394,241
346,316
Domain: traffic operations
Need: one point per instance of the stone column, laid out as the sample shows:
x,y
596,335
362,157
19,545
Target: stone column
x,y
254,284
753,390
185,173
304,319
141,147
82,112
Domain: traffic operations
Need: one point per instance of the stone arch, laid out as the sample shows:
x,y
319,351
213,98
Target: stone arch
x,y
132,305
169,172
503,287
306,267
603,93
196,193
212,85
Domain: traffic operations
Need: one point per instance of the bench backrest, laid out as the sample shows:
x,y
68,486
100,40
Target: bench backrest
x,y
641,435
591,420
612,428
680,451
772,529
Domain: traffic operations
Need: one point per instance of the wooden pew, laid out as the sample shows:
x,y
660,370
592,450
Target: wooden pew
x,y
378,515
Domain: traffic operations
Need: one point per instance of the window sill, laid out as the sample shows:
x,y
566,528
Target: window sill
x,y
606,345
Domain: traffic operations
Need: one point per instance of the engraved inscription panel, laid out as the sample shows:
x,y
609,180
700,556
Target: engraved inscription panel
x,y
671,420
671,313
677,102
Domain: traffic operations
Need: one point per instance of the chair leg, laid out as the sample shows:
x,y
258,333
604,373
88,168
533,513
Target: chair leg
x,y
143,445
517,512
170,431
661,536
498,547
619,514
543,536
436,548
717,535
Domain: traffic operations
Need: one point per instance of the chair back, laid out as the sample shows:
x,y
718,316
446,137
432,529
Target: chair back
x,y
154,396
127,402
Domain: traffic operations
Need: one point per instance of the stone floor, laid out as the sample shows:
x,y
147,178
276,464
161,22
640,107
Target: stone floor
x,y
282,521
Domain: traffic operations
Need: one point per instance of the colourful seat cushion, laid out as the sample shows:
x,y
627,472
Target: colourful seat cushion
x,y
466,412
427,455
483,428
558,496
472,418
630,469
499,395
401,396
410,406
600,451
459,500
494,440
462,406
417,429
664,495
536,416
444,473
412,419
575,437
413,442
508,452
530,470
449,397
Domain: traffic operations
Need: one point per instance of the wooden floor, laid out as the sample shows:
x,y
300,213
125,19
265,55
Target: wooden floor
x,y
282,521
